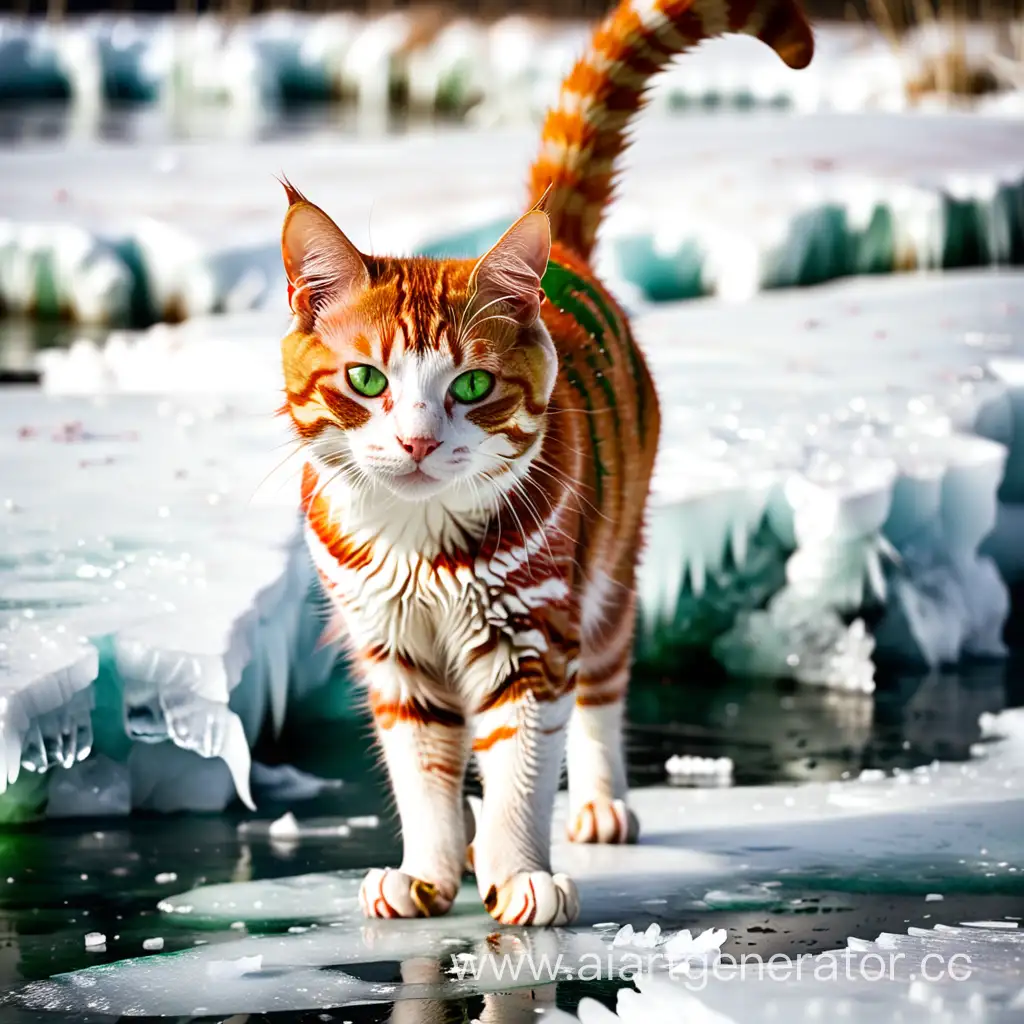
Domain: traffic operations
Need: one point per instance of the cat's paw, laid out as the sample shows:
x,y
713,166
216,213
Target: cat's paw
x,y
608,822
534,898
389,893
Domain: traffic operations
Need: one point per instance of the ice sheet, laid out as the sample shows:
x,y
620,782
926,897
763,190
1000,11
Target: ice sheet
x,y
724,204
953,828
150,593
825,452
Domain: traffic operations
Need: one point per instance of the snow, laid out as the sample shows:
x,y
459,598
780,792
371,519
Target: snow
x,y
954,823
510,67
825,452
152,599
727,205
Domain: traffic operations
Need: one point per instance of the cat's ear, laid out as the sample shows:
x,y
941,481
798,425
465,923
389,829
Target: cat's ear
x,y
322,265
509,273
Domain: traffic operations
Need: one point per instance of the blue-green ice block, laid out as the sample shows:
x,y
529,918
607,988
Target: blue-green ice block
x,y
662,277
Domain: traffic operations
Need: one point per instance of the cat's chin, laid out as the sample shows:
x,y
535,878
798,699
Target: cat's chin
x,y
417,486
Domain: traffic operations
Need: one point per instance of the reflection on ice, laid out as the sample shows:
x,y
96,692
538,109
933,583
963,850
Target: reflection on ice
x,y
944,829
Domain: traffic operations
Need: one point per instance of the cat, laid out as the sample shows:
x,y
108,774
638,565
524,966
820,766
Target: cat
x,y
479,438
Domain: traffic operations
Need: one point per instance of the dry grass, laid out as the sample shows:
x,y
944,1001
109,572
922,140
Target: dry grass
x,y
948,68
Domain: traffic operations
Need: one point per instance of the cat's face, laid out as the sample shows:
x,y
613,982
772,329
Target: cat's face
x,y
429,379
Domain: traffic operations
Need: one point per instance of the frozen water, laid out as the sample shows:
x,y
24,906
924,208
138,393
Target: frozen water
x,y
512,65
877,488
957,825
724,205
151,597
825,452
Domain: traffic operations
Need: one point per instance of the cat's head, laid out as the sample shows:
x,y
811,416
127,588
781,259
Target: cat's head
x,y
419,376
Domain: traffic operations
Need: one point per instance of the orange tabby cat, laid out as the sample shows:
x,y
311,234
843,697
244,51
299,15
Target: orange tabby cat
x,y
480,436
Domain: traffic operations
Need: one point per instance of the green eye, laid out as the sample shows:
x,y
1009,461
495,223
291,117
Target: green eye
x,y
367,380
472,385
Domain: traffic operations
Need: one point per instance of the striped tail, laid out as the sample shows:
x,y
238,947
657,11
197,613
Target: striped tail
x,y
585,133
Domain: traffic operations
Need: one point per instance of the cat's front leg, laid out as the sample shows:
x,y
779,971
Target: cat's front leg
x,y
519,741
425,748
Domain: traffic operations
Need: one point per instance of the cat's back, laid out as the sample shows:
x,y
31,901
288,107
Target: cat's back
x,y
604,381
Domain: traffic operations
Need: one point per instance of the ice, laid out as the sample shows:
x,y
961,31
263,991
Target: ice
x,y
800,486
151,601
952,824
691,766
727,205
97,787
877,492
513,65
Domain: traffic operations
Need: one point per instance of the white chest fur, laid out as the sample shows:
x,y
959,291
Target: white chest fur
x,y
400,594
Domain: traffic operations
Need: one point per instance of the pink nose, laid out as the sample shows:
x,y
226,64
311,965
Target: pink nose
x,y
419,447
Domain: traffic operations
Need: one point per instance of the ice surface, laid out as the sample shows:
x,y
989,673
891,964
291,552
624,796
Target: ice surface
x,y
726,205
150,596
825,453
954,825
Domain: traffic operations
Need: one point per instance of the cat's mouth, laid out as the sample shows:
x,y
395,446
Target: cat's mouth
x,y
415,482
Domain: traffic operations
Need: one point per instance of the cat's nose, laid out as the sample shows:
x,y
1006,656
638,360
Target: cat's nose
x,y
419,447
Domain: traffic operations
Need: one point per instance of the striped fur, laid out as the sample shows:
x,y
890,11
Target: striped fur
x,y
585,133
479,546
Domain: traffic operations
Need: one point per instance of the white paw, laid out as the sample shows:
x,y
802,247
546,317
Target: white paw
x,y
534,898
389,893
604,821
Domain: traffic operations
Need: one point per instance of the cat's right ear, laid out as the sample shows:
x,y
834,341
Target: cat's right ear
x,y
322,265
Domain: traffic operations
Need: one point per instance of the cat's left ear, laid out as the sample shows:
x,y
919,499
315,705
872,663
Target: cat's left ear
x,y
509,273
322,265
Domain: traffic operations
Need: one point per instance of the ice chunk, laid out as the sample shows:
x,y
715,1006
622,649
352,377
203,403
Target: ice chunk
x,y
875,494
685,946
283,782
799,639
144,616
286,825
96,787
687,766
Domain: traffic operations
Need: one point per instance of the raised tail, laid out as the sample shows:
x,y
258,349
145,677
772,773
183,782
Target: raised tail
x,y
585,133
